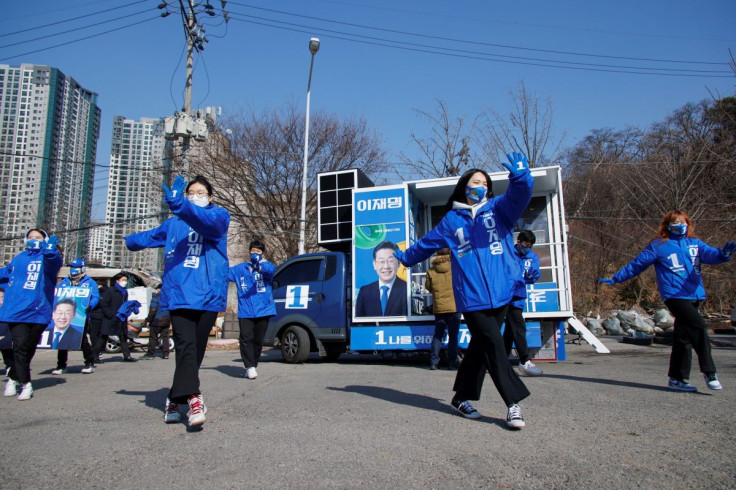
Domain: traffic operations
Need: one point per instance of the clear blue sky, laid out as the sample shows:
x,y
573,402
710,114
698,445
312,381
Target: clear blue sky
x,y
380,58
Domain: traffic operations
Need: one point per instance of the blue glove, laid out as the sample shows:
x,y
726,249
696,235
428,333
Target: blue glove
x,y
255,261
519,164
51,243
33,244
609,282
729,249
399,256
177,188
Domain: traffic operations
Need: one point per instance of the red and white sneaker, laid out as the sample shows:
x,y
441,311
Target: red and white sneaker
x,y
197,409
171,413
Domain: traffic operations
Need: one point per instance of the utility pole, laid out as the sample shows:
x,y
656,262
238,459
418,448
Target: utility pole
x,y
184,125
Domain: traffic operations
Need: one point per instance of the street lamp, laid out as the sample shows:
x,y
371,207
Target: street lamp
x,y
313,48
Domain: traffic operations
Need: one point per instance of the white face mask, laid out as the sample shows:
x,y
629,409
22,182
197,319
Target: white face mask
x,y
201,201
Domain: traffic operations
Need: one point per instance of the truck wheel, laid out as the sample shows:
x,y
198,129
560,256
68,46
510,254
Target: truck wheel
x,y
295,345
112,346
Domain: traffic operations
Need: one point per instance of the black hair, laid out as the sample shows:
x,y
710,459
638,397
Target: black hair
x,y
382,245
458,194
66,301
199,179
526,236
257,244
118,276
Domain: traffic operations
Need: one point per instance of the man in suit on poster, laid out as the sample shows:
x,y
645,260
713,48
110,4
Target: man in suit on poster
x,y
62,335
387,295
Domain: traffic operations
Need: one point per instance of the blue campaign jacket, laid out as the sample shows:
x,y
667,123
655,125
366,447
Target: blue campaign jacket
x,y
29,294
530,273
195,255
85,282
677,264
255,298
484,265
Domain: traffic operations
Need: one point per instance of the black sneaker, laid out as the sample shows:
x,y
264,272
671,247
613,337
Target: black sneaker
x,y
433,367
130,359
514,417
165,356
465,409
147,357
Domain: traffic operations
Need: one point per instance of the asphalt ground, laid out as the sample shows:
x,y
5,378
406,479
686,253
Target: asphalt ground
x,y
593,421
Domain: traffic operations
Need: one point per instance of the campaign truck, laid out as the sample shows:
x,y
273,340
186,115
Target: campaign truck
x,y
330,302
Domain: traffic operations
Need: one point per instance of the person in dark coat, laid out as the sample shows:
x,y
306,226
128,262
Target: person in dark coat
x,y
95,317
111,301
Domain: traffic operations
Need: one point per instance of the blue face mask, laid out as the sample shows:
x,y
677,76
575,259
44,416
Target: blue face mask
x,y
256,257
475,194
521,249
678,229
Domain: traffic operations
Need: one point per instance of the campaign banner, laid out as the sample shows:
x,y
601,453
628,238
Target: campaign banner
x,y
400,337
379,280
542,297
67,319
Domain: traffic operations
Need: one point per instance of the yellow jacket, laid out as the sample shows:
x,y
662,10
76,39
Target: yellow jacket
x,y
439,283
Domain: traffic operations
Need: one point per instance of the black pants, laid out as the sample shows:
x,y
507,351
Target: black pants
x,y
690,333
94,327
122,336
8,358
26,337
62,357
191,330
486,353
515,333
158,333
252,331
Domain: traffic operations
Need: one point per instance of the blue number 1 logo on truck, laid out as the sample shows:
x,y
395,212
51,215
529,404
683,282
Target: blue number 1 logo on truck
x,y
297,297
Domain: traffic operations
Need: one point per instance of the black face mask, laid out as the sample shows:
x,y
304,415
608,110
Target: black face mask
x,y
521,249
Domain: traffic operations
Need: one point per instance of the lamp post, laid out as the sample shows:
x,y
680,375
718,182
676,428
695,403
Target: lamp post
x,y
313,48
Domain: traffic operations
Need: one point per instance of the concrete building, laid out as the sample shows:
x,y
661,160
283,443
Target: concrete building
x,y
48,144
134,195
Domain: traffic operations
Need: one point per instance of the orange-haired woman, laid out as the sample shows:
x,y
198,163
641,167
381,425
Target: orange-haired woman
x,y
677,254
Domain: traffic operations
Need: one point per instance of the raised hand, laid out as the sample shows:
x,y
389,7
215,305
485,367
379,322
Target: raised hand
x,y
609,282
177,188
518,163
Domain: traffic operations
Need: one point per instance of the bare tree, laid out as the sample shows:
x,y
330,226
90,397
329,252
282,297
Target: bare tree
x,y
257,170
527,128
446,152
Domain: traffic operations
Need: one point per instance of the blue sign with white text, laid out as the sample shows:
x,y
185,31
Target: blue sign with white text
x,y
400,337
542,296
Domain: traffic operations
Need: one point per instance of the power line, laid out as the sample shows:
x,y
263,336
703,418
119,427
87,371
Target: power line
x,y
505,46
71,19
74,29
80,39
517,60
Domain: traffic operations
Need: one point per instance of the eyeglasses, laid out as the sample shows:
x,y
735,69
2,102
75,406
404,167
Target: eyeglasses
x,y
197,193
389,262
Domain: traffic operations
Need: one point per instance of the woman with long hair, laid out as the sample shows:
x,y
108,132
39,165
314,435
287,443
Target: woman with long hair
x,y
194,283
677,254
478,229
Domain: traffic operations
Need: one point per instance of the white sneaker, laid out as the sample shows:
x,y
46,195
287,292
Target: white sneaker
x,y
27,392
712,381
196,410
251,373
58,371
88,369
11,388
171,413
530,369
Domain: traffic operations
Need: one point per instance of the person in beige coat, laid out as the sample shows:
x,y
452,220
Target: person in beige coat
x,y
446,317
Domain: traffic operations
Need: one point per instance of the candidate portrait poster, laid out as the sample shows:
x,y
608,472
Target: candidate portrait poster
x,y
379,280
67,319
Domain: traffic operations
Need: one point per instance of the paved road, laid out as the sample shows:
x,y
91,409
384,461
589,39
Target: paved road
x,y
604,421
